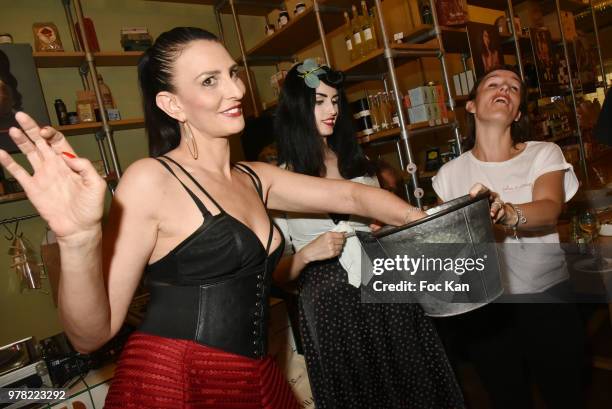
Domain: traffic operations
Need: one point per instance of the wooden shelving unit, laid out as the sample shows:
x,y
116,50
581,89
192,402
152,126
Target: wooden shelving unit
x,y
489,4
12,197
92,127
247,7
300,32
548,6
76,58
374,62
420,127
454,38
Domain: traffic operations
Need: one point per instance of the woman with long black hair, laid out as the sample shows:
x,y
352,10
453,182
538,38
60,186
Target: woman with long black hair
x,y
358,355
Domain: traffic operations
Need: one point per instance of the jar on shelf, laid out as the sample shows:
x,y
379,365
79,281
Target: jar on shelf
x,y
283,18
299,8
362,117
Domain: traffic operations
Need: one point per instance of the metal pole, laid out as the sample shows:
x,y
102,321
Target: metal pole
x,y
571,82
73,37
75,42
18,219
398,104
94,77
442,58
601,63
398,150
516,39
219,25
250,81
317,10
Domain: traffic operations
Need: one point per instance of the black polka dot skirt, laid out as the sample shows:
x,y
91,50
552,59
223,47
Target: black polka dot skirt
x,y
369,356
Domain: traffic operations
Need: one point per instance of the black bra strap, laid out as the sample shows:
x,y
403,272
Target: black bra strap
x,y
196,183
254,178
258,186
197,201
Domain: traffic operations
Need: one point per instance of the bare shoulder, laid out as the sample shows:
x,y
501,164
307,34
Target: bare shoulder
x,y
266,172
142,181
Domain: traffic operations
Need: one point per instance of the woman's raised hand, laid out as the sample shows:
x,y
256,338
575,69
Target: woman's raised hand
x,y
66,190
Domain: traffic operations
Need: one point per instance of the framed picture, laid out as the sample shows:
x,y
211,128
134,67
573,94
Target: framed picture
x,y
485,46
46,37
545,61
452,12
586,61
20,90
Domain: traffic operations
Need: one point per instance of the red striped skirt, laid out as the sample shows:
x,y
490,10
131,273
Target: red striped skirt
x,y
156,372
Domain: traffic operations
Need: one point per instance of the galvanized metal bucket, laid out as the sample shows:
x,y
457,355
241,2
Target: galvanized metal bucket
x,y
453,232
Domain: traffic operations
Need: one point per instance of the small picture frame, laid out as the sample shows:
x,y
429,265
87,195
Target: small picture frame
x,y
46,37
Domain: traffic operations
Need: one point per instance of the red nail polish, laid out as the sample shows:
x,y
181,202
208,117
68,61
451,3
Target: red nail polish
x,y
68,154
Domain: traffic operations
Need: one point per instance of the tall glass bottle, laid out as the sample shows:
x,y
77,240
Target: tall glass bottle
x,y
393,109
385,116
348,37
107,96
376,27
358,42
367,29
374,112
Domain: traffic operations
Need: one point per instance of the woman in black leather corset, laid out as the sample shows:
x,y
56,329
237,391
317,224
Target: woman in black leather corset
x,y
196,224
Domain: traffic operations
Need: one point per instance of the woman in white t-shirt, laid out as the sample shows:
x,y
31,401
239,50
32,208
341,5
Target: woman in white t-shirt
x,y
514,342
358,355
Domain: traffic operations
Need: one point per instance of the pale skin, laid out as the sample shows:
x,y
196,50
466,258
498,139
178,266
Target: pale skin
x,y
495,107
151,212
328,244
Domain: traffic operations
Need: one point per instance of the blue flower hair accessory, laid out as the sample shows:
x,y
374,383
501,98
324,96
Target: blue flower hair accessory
x,y
310,71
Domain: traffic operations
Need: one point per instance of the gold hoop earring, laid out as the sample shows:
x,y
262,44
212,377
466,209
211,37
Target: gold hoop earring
x,y
190,140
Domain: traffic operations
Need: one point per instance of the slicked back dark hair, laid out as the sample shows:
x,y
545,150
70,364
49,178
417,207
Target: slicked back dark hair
x,y
520,130
155,74
299,144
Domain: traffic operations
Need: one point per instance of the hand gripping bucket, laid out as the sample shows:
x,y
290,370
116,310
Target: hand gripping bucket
x,y
456,249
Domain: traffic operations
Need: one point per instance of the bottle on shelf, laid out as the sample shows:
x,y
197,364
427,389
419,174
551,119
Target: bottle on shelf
x,y
107,96
376,26
385,115
61,111
358,43
374,112
425,10
348,37
393,109
367,29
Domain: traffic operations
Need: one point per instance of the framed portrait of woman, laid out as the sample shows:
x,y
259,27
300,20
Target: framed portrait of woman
x,y
20,90
485,46
546,64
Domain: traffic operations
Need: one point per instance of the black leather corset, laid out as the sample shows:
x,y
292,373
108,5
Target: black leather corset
x,y
229,315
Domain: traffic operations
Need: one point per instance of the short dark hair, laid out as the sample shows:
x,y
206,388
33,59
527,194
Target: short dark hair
x,y
155,74
520,130
300,147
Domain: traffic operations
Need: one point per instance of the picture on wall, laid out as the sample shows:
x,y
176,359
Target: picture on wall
x,y
485,46
452,12
586,60
545,61
20,90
